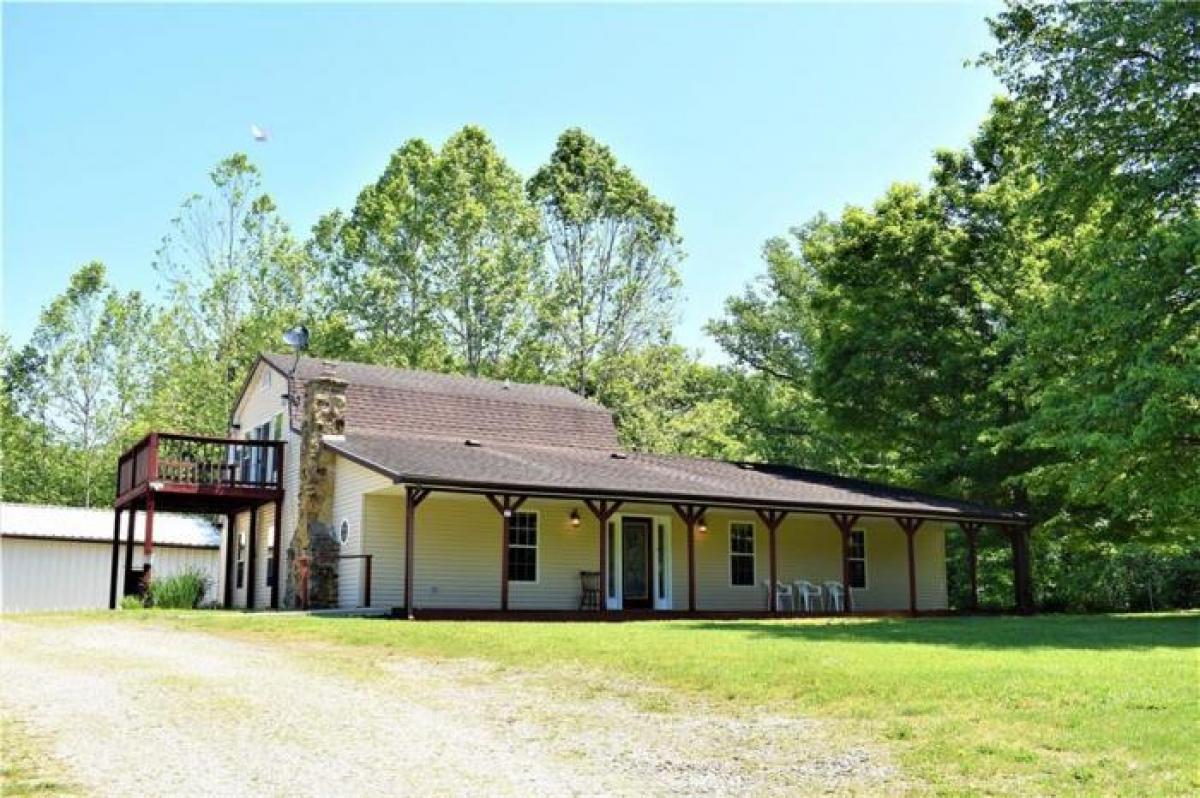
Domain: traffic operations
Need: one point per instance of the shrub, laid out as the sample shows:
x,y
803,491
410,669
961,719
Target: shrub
x,y
180,591
131,603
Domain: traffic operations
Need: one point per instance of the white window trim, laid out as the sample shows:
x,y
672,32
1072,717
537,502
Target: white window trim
x,y
753,555
537,549
866,570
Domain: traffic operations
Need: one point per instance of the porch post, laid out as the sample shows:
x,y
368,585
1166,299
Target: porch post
x,y
148,543
278,546
691,514
971,531
116,559
230,556
132,516
506,505
771,520
603,510
845,524
910,527
252,565
412,499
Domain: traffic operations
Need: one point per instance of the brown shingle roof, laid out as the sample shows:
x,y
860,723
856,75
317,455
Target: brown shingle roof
x,y
391,400
583,472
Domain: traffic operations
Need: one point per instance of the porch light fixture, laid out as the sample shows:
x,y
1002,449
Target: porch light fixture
x,y
702,525
574,517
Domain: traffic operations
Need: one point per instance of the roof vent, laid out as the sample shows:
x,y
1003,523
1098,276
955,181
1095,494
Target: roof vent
x,y
619,456
507,385
747,466
471,442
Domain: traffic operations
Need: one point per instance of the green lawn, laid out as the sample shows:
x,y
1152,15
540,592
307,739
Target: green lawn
x,y
1053,704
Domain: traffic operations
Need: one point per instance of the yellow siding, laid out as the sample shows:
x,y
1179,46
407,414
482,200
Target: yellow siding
x,y
457,560
352,483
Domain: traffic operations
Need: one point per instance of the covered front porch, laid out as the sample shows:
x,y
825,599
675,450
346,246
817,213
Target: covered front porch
x,y
441,552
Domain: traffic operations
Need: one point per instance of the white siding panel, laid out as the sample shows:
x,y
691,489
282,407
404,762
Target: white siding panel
x,y
352,483
72,575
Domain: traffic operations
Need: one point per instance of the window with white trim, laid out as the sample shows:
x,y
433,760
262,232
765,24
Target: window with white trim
x,y
856,556
241,560
522,547
741,554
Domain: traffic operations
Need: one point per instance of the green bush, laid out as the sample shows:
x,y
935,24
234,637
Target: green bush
x,y
131,603
180,591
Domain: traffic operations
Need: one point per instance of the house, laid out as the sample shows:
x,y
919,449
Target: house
x,y
55,558
348,485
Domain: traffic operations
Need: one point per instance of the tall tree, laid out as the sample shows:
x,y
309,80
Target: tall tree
x,y
486,254
84,374
235,279
1110,112
614,248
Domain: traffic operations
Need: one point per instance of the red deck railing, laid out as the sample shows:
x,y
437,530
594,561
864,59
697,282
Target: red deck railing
x,y
195,460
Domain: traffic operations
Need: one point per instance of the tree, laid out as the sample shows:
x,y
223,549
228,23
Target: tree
x,y
614,249
1109,110
235,278
82,378
485,255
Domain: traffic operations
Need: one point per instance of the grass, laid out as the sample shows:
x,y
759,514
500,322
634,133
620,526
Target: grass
x,y
1053,704
26,768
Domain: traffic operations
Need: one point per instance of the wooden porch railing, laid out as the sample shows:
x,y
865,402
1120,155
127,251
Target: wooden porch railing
x,y
201,461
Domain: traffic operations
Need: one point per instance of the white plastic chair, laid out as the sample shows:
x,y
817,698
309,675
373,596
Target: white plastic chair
x,y
836,601
783,595
808,595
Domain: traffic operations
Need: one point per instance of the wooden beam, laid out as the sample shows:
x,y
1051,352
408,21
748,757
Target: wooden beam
x,y
690,514
505,504
845,523
148,544
772,519
277,547
910,527
412,499
603,509
116,560
252,566
231,557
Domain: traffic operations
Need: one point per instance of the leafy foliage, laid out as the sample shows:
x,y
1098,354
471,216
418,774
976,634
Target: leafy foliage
x,y
183,590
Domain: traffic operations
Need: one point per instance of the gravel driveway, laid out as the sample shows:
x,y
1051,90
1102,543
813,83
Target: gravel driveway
x,y
138,709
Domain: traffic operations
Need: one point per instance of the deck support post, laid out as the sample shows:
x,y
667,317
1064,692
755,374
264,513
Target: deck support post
x,y
910,527
148,545
129,526
252,560
971,530
412,499
506,505
771,520
603,510
230,557
277,547
691,515
845,523
116,559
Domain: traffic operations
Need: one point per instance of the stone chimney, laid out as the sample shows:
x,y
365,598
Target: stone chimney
x,y
312,557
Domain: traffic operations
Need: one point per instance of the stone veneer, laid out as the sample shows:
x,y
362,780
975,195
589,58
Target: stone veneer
x,y
314,540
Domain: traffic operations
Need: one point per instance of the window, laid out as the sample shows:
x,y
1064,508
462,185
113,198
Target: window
x,y
343,534
522,547
271,565
662,562
857,558
741,554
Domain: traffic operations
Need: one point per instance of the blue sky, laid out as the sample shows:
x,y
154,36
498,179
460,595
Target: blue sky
x,y
748,120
